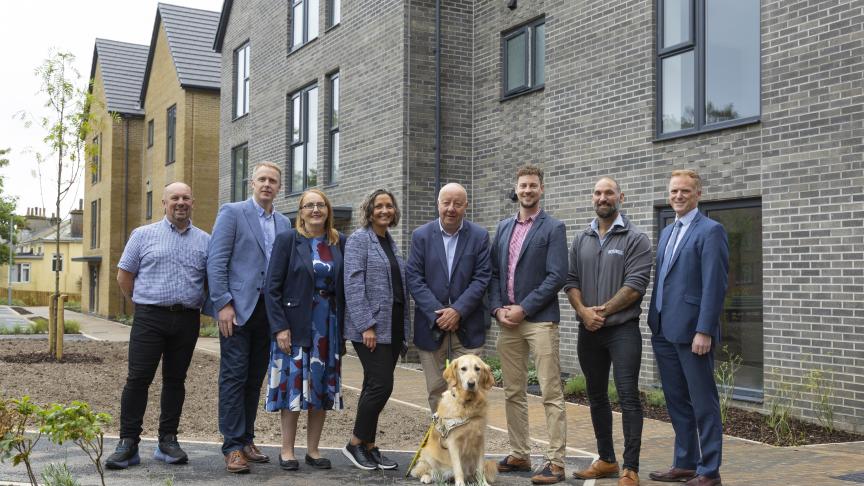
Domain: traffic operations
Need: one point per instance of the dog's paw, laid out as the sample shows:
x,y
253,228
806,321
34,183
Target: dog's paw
x,y
426,479
459,482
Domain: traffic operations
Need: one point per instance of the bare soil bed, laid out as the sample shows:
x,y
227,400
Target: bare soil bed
x,y
95,372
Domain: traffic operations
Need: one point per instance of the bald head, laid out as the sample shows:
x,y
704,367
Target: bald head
x,y
177,202
452,202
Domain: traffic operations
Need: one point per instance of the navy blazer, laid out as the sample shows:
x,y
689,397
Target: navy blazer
x,y
464,291
291,284
541,269
236,262
369,289
695,285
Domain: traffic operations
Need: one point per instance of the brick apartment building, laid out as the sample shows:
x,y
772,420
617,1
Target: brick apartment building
x,y
765,99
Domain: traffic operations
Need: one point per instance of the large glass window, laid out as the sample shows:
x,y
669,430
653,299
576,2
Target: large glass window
x,y
304,139
94,223
523,53
708,65
96,160
240,172
241,81
741,323
20,273
170,135
334,128
334,12
304,22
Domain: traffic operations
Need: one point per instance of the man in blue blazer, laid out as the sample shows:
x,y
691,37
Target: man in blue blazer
x,y
448,273
691,277
529,267
237,262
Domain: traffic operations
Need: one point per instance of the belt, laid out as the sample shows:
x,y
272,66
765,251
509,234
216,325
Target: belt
x,y
170,308
324,293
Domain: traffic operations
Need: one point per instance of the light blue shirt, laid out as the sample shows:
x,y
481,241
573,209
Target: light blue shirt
x,y
450,242
169,265
619,221
268,227
685,224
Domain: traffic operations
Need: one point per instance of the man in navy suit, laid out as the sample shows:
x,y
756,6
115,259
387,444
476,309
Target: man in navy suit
x,y
448,273
529,267
690,286
237,262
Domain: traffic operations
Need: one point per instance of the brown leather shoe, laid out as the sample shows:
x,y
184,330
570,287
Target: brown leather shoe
x,y
550,474
704,481
236,463
253,454
598,469
513,464
673,475
628,478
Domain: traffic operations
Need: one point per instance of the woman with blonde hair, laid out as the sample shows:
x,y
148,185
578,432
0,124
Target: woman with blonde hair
x,y
305,307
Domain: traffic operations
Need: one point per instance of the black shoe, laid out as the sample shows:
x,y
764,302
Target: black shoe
x,y
359,456
382,461
320,463
169,451
289,464
125,455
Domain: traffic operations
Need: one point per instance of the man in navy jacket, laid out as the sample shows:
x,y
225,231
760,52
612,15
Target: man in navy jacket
x,y
448,273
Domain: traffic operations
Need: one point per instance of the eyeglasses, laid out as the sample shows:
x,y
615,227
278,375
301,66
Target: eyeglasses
x,y
313,206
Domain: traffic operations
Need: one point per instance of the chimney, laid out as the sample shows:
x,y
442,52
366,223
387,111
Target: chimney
x,y
35,219
76,216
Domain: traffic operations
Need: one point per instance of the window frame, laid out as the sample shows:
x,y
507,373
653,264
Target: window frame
x,y
697,44
303,139
19,269
335,88
304,38
244,48
96,165
332,20
94,223
171,135
151,133
54,260
244,189
529,29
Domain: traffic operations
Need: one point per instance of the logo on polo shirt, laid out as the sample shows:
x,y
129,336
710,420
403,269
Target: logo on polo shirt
x,y
616,251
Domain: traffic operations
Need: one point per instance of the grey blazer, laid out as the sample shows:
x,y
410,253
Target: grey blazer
x,y
368,289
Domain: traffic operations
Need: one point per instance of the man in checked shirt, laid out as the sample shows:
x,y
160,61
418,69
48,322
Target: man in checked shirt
x,y
163,271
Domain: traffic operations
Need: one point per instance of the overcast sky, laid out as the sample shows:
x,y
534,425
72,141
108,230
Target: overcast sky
x,y
31,28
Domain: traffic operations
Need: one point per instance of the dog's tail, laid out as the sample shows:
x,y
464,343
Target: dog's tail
x,y
490,470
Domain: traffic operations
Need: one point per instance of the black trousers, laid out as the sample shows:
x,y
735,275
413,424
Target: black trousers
x,y
621,347
158,334
378,369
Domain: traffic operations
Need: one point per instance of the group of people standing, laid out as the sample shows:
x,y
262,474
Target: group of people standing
x,y
286,299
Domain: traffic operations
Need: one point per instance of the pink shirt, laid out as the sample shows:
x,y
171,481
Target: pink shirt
x,y
520,229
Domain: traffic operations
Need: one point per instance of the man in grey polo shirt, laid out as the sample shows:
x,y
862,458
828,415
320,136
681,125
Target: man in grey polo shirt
x,y
610,265
163,271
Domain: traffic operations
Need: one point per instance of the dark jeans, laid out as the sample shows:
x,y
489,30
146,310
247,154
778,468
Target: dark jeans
x,y
378,369
157,334
242,368
621,347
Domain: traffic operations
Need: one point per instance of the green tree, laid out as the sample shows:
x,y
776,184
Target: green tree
x,y
7,213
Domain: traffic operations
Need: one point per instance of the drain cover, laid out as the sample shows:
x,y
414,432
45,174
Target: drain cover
x,y
857,477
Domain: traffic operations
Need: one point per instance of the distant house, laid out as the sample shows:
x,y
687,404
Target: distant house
x,y
159,112
36,257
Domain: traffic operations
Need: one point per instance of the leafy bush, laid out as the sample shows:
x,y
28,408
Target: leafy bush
x,y
16,329
73,305
613,392
124,319
80,425
209,331
71,327
575,385
58,475
16,416
655,398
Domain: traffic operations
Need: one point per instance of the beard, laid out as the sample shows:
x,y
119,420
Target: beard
x,y
607,211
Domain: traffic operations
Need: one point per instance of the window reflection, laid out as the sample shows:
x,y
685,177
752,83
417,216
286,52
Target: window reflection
x,y
678,97
676,22
731,59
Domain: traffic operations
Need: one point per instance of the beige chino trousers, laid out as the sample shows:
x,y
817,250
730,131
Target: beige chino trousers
x,y
433,363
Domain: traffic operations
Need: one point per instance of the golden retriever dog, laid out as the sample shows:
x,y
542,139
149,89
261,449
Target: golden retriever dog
x,y
457,443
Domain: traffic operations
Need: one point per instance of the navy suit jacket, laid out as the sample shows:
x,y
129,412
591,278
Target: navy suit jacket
x,y
291,285
236,262
695,285
464,291
541,269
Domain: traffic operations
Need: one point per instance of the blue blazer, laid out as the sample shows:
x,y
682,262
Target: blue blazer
x,y
464,291
695,287
291,285
368,289
541,269
236,262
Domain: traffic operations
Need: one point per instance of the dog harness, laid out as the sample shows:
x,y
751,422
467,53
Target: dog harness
x,y
445,426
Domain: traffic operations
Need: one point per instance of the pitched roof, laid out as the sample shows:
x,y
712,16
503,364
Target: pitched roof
x,y
223,25
122,67
190,33
49,234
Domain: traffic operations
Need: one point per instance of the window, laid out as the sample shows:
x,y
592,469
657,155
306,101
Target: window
x,y
241,81
171,135
96,161
524,60
304,22
334,128
94,223
334,12
150,133
741,322
57,263
708,65
20,273
240,172
304,139
148,206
